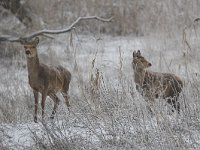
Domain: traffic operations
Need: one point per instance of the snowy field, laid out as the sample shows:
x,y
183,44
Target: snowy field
x,y
106,110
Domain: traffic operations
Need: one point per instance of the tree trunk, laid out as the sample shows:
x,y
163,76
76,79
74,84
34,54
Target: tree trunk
x,y
18,10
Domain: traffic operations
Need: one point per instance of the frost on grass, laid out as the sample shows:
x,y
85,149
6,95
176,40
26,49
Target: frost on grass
x,y
106,110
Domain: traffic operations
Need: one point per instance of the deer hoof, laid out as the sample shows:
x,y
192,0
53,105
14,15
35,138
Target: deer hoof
x,y
35,120
52,117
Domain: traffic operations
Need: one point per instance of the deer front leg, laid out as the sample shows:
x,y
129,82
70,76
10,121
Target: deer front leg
x,y
149,98
44,96
36,105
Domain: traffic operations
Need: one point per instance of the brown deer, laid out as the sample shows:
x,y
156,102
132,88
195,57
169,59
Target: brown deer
x,y
153,84
45,79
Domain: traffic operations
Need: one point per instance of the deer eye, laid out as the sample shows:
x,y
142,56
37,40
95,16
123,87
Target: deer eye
x,y
25,47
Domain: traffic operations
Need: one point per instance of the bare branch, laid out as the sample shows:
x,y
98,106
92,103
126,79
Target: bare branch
x,y
192,24
46,32
4,38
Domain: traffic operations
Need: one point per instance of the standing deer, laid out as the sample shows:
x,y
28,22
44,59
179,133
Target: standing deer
x,y
153,84
45,79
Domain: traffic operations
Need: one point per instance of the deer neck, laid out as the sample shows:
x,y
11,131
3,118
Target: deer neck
x,y
33,65
139,76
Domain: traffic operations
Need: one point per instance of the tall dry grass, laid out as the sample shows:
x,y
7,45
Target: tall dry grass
x,y
108,113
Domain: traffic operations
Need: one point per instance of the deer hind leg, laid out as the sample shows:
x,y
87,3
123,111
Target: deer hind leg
x,y
56,103
151,107
66,97
174,103
65,93
36,105
176,87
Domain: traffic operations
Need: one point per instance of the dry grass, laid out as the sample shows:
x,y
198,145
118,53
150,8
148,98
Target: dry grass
x,y
105,105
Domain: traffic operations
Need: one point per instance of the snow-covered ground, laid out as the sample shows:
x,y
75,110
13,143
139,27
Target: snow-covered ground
x,y
115,116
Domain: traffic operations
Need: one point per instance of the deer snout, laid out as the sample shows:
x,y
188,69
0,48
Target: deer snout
x,y
149,64
28,52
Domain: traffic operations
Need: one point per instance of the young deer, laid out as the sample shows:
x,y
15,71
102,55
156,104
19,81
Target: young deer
x,y
153,84
44,79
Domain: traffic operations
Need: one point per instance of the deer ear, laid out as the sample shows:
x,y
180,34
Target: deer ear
x,y
138,53
36,41
134,54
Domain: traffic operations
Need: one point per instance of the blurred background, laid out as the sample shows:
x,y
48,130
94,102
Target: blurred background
x,y
135,17
131,17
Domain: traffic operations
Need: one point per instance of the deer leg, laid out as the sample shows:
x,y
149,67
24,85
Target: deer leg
x,y
178,107
36,105
56,103
66,97
175,104
170,101
150,102
151,107
65,92
44,96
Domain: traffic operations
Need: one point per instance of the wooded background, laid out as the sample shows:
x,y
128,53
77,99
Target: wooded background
x,y
131,17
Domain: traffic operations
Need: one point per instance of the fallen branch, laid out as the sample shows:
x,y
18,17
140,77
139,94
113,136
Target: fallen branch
x,y
46,32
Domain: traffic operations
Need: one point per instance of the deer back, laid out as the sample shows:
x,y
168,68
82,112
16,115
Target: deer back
x,y
165,84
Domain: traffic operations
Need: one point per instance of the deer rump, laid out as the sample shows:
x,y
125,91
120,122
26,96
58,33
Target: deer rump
x,y
165,85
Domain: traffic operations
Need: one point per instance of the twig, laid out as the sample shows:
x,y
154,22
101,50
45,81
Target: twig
x,y
184,32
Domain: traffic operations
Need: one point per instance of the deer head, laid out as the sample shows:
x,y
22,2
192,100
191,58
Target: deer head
x,y
139,62
30,47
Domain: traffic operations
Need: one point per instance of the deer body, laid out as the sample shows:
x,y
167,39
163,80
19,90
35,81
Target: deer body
x,y
40,76
153,84
45,79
